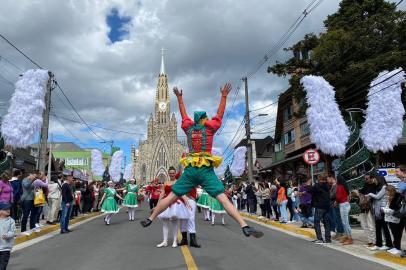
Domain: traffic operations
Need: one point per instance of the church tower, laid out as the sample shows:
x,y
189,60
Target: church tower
x,y
161,149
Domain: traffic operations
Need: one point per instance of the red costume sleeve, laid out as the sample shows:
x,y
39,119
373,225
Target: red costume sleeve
x,y
214,123
186,124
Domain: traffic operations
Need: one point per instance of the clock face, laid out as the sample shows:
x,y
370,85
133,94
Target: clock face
x,y
162,106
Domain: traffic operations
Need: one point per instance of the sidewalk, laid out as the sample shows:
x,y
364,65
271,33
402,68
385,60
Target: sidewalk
x,y
45,229
357,234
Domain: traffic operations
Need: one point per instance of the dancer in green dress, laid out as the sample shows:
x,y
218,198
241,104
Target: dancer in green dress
x,y
204,203
130,200
216,208
108,201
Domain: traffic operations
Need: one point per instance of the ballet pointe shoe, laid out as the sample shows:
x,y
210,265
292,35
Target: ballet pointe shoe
x,y
163,244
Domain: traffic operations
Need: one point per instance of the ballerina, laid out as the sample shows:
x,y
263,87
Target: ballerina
x,y
204,203
108,202
130,199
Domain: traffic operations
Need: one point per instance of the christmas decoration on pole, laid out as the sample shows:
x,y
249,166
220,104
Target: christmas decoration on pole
x,y
115,166
327,126
383,124
128,171
24,118
238,165
356,162
97,163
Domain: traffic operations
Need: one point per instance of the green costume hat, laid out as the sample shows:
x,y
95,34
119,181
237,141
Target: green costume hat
x,y
199,115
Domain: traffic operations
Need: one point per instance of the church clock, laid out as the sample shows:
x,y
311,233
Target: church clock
x,y
162,106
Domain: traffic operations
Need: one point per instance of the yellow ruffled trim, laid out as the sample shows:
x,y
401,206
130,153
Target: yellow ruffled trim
x,y
201,159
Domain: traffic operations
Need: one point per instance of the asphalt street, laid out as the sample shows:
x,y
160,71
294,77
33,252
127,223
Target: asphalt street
x,y
126,245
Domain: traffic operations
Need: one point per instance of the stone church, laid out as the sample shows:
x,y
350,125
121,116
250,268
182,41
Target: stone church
x,y
162,148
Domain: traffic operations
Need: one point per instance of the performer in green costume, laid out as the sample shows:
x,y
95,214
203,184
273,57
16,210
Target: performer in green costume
x,y
130,199
108,201
200,163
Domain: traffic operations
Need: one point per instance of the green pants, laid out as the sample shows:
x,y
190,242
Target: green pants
x,y
194,176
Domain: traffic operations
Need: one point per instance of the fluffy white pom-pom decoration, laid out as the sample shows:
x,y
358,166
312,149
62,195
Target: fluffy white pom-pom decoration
x,y
237,168
128,172
97,163
383,124
24,118
115,166
327,126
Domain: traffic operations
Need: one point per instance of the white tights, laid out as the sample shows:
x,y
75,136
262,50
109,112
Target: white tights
x,y
175,228
108,218
206,214
213,216
131,213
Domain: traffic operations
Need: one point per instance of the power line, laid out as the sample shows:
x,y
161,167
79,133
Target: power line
x,y
12,45
11,63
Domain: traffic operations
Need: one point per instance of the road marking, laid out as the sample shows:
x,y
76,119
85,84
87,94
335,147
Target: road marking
x,y
187,255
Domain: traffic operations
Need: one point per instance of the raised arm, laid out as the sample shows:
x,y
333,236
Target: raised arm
x,y
182,108
225,90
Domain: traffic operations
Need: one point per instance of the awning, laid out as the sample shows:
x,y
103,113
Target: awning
x,y
282,161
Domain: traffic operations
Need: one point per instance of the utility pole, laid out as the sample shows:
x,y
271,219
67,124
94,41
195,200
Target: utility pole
x,y
248,133
50,160
42,151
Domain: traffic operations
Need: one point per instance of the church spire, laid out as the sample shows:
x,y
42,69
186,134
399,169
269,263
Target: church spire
x,y
162,71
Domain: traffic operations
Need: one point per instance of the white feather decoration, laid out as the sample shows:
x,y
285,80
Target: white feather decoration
x,y
219,171
383,124
237,168
327,127
24,118
97,163
115,165
128,172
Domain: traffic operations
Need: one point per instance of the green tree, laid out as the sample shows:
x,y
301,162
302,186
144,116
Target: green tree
x,y
361,39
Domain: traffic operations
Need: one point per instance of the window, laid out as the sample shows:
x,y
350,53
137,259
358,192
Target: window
x,y
304,129
288,112
289,137
278,147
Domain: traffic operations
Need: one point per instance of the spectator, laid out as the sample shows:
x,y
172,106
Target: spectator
x,y
27,202
379,201
305,203
6,190
295,201
7,232
39,184
334,216
250,191
344,205
266,197
321,202
67,200
274,201
282,201
244,203
367,218
17,191
87,199
96,189
54,200
394,201
289,205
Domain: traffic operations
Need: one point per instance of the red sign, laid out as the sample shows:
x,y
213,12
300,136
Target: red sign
x,y
311,156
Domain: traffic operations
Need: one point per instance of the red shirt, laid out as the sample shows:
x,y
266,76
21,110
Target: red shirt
x,y
193,194
341,194
154,192
197,136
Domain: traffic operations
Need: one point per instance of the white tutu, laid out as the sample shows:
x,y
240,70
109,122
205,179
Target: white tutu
x,y
177,210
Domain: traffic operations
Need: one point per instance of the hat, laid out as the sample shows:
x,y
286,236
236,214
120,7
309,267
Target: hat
x,y
5,206
199,115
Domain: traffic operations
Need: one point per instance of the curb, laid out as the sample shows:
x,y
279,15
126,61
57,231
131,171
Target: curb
x,y
380,255
51,228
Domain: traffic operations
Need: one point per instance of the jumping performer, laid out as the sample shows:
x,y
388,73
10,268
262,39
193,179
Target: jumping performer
x,y
130,199
108,201
199,163
178,210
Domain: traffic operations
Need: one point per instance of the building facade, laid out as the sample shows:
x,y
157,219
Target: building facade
x,y
161,149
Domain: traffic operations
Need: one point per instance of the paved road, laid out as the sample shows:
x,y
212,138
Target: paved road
x,y
125,245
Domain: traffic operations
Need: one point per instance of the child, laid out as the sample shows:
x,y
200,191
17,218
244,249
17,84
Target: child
x,y
7,233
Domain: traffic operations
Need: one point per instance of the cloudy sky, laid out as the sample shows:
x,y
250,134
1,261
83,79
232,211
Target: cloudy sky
x,y
105,54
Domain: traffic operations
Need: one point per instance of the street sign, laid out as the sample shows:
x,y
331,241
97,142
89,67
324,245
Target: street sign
x,y
311,156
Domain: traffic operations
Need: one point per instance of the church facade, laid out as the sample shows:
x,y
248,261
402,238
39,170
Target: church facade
x,y
161,149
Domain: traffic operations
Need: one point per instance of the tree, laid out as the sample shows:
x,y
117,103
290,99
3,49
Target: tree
x,y
361,39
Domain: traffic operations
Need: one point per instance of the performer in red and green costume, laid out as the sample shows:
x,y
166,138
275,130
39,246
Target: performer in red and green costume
x,y
200,163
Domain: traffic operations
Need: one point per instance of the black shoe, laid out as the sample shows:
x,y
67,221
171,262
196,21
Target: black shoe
x,y
63,232
69,230
146,223
193,242
248,231
183,242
